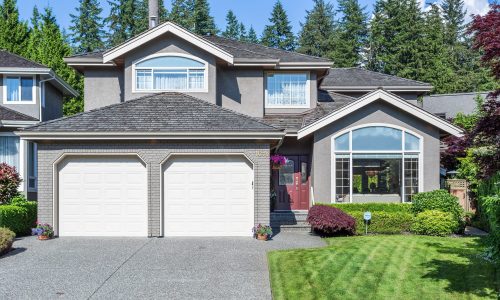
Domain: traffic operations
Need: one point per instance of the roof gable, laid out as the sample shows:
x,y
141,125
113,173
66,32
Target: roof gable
x,y
157,31
389,98
7,114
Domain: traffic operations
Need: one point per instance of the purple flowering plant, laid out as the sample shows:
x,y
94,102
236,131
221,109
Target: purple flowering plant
x,y
262,230
278,159
43,230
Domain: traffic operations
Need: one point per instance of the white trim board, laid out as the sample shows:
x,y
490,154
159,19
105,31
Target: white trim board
x,y
389,98
160,30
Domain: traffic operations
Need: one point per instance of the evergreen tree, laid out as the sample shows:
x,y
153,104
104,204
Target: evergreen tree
x,y
232,27
395,38
317,31
203,23
123,20
252,36
181,13
86,29
142,18
351,34
454,16
279,33
243,33
14,34
48,46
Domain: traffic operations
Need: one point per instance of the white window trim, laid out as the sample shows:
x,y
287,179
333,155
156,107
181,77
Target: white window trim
x,y
33,100
35,167
23,159
308,90
134,68
351,152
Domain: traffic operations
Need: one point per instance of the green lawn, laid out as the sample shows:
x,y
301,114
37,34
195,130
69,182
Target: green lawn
x,y
385,267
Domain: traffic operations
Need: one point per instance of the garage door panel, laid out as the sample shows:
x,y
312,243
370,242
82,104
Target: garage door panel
x,y
204,204
102,196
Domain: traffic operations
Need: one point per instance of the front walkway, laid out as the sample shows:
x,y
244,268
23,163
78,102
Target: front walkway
x,y
126,268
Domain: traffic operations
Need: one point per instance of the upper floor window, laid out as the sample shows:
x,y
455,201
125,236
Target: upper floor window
x,y
287,90
170,73
19,89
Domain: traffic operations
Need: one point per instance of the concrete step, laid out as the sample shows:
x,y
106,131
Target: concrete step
x,y
289,221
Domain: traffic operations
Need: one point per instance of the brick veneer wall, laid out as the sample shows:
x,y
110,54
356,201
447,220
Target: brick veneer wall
x,y
153,154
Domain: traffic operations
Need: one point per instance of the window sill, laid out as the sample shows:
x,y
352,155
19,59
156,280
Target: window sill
x,y
18,102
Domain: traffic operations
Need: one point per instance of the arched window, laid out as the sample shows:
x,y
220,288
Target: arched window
x,y
170,73
376,163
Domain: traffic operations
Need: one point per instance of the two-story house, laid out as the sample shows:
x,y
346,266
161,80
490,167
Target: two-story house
x,y
30,93
178,130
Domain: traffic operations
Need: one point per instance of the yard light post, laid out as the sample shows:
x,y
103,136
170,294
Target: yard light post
x,y
367,216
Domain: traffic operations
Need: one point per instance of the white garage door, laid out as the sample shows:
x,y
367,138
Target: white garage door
x,y
208,196
102,196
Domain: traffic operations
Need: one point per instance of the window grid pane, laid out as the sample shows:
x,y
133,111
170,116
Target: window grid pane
x,y
26,89
342,179
12,84
287,89
411,178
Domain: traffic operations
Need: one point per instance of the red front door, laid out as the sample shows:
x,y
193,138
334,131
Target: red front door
x,y
291,184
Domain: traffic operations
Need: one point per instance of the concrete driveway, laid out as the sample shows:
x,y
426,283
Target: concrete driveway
x,y
125,268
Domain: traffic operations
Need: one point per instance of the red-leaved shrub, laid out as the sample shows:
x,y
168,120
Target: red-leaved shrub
x,y
9,182
327,220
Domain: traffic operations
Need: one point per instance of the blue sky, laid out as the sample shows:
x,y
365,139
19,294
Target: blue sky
x,y
250,12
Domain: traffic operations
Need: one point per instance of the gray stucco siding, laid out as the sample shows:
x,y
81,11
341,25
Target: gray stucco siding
x,y
377,112
103,87
53,103
153,154
171,44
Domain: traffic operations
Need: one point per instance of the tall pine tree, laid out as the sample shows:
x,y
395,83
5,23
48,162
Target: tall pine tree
x,y
351,34
279,33
454,15
232,30
181,13
123,21
14,34
252,36
317,31
203,22
243,33
87,27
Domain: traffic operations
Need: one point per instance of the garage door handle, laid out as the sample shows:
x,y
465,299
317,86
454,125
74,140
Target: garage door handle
x,y
252,185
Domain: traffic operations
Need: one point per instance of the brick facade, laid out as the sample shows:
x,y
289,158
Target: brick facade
x,y
153,153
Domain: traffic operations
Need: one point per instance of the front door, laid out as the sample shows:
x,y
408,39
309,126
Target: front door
x,y
291,184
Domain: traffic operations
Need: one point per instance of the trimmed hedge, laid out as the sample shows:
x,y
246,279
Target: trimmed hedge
x,y
20,216
384,222
434,222
385,207
6,240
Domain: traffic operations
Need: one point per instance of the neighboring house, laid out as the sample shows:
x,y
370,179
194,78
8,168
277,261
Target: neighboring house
x,y
178,130
29,93
449,105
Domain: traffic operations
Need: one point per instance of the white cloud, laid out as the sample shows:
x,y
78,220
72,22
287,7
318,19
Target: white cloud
x,y
476,7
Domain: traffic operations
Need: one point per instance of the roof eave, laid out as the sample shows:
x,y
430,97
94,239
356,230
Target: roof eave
x,y
392,88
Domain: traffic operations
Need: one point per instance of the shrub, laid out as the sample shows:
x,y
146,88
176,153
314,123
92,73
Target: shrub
x,y
492,209
434,222
9,182
30,206
384,222
328,220
373,207
6,240
19,217
439,200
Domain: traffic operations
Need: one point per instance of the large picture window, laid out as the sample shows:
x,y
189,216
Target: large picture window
x,y
376,164
287,90
170,73
9,151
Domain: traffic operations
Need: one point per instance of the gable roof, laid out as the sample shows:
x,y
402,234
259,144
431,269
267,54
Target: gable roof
x,y
7,114
159,115
376,96
359,79
231,51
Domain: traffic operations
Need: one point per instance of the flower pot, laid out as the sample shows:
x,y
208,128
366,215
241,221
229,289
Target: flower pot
x,y
43,237
276,167
262,237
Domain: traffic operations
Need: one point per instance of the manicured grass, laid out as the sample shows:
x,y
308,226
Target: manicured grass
x,y
385,267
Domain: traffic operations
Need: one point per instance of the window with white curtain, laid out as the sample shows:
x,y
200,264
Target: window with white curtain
x,y
170,73
19,89
287,89
9,150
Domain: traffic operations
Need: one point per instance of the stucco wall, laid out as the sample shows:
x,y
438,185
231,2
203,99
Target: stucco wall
x,y
377,112
53,103
153,154
169,43
32,109
103,86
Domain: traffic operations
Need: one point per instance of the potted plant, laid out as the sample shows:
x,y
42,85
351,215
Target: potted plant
x,y
262,232
43,231
278,161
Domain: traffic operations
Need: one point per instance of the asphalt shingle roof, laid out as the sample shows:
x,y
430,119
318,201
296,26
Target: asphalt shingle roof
x,y
166,112
7,114
339,77
10,60
328,102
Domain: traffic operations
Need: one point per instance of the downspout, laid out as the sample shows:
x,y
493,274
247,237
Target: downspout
x,y
42,95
